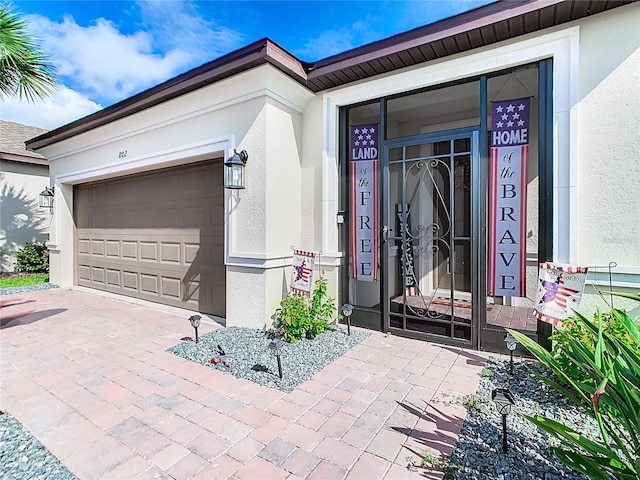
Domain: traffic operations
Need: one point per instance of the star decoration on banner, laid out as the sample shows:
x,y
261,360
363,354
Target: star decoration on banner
x,y
509,115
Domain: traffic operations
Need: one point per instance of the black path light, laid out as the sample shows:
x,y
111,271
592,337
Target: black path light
x,y
504,400
347,310
276,349
512,343
195,323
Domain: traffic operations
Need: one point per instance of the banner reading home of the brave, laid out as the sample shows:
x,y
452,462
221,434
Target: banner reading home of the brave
x,y
508,197
364,201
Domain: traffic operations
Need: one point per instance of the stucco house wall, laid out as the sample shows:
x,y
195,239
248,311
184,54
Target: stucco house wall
x,y
258,111
23,175
292,137
608,144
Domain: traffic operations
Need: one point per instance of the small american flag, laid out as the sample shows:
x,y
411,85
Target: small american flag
x,y
559,291
302,271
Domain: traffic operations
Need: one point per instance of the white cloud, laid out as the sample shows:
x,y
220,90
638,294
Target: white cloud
x,y
181,26
62,107
329,42
102,61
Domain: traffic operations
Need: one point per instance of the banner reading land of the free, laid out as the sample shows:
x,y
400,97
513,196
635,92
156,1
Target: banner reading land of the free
x,y
508,197
364,201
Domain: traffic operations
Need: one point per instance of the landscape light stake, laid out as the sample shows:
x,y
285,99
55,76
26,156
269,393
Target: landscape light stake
x,y
347,310
503,399
276,349
511,346
195,323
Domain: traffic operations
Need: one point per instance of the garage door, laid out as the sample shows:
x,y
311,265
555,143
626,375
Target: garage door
x,y
157,236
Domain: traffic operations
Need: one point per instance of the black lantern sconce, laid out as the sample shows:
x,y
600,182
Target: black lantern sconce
x,y
195,323
276,349
347,310
46,198
504,400
512,343
234,170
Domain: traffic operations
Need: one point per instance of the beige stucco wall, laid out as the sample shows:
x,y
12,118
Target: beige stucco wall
x,y
290,134
609,138
608,196
258,111
22,219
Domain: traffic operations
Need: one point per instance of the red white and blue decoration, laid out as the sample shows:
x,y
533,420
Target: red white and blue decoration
x,y
560,290
364,202
302,271
508,197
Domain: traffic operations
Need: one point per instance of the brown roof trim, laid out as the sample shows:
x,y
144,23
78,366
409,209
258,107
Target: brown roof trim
x,y
476,28
258,53
12,157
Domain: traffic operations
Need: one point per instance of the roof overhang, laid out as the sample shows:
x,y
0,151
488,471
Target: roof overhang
x,y
483,26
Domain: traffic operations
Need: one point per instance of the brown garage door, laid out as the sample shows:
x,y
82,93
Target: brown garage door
x,y
157,236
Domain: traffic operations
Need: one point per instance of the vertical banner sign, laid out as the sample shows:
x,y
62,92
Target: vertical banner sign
x,y
364,201
559,291
407,266
508,197
302,271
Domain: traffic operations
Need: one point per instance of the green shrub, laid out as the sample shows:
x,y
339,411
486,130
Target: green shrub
x,y
301,316
574,329
607,362
33,257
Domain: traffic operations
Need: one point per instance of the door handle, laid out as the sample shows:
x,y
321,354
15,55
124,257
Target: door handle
x,y
385,233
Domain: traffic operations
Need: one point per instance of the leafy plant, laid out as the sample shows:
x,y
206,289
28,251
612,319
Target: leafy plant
x,y
300,316
609,392
443,463
574,328
486,372
33,257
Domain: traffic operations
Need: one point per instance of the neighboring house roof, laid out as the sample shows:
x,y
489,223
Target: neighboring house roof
x,y
12,143
476,28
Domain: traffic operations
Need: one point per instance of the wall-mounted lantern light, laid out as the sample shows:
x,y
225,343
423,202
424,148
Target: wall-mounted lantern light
x,y
234,170
46,198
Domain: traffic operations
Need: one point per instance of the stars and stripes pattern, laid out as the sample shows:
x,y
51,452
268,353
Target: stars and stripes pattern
x,y
559,291
302,271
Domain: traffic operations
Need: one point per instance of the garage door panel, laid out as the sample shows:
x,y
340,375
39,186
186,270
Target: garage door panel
x,y
157,236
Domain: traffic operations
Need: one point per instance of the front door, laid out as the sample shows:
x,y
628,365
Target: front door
x,y
430,236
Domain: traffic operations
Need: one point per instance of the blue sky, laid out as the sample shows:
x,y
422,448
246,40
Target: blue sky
x,y
107,51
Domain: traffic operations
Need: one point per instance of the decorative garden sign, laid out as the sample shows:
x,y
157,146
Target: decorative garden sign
x,y
559,291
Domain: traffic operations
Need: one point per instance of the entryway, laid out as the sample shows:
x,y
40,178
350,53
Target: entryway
x,y
429,191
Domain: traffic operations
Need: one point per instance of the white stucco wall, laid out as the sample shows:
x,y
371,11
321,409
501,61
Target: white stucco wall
x,y
608,196
22,220
258,111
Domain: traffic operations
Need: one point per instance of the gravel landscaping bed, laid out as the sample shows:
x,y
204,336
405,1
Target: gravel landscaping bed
x,y
22,457
27,288
478,452
249,356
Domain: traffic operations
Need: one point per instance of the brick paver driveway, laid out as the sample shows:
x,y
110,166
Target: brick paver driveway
x,y
90,378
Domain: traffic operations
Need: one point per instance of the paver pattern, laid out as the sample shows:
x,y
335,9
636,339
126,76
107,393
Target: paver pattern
x,y
90,378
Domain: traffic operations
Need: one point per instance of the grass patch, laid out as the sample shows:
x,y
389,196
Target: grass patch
x,y
23,280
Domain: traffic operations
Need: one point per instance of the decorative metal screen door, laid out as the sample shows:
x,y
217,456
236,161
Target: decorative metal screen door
x,y
428,235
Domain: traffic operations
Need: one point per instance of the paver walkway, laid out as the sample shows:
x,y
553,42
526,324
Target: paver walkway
x,y
90,378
